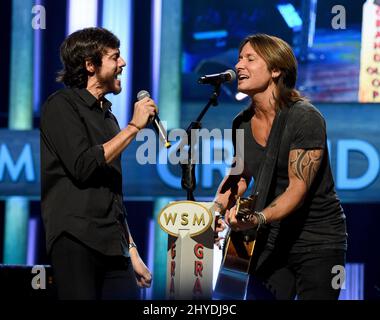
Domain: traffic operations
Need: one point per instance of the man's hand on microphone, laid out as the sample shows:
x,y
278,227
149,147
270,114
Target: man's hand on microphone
x,y
144,109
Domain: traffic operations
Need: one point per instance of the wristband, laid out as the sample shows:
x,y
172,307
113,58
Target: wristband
x,y
261,219
132,245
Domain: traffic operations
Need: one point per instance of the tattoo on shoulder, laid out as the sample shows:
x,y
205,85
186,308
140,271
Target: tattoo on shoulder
x,y
305,164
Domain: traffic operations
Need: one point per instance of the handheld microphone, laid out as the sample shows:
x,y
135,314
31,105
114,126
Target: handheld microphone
x,y
218,78
157,125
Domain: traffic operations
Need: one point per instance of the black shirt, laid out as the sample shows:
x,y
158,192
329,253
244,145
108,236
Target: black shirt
x,y
320,222
81,194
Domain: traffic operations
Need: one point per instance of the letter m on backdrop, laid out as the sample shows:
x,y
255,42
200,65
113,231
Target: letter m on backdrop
x,y
15,167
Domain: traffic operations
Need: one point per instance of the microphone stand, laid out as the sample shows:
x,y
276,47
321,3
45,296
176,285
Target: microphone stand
x,y
188,181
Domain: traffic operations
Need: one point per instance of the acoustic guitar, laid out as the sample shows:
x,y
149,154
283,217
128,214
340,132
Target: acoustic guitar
x,y
238,252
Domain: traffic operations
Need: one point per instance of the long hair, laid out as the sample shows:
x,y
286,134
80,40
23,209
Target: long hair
x,y
278,55
86,44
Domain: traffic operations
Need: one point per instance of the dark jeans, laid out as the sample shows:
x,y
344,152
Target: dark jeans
x,y
83,273
305,276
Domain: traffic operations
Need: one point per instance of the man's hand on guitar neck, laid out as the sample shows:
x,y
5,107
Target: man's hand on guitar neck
x,y
238,225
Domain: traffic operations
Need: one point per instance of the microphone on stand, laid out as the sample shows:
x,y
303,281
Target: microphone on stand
x,y
218,78
157,125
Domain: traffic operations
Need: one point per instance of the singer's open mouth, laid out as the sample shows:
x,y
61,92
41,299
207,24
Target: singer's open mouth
x,y
119,74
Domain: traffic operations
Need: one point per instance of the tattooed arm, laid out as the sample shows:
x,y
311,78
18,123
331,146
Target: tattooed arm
x,y
302,169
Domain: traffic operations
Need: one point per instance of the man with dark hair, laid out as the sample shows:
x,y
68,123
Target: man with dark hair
x,y
92,250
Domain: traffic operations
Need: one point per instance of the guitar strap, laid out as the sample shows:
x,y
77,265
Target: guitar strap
x,y
264,178
228,280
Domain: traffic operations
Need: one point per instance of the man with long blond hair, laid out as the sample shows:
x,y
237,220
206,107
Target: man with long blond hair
x,y
306,225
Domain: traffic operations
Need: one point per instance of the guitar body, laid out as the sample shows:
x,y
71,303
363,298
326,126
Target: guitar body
x,y
234,271
238,252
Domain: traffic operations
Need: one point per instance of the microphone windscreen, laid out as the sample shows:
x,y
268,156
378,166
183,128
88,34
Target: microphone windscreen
x,y
143,94
232,74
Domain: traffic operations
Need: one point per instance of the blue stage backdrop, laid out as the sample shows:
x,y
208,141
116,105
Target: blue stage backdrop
x,y
354,142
